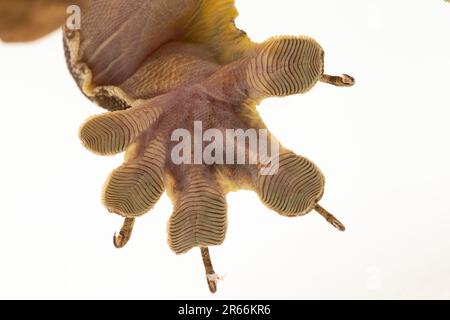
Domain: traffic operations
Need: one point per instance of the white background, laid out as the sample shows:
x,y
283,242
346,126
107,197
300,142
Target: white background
x,y
383,146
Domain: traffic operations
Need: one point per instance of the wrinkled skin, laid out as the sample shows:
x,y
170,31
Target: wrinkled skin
x,y
161,65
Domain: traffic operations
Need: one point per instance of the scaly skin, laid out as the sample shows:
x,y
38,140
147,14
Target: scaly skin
x,y
158,70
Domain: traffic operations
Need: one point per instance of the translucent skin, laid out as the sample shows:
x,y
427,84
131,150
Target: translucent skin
x,y
162,65
225,100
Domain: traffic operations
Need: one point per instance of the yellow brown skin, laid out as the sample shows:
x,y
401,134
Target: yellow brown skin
x,y
159,69
29,20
